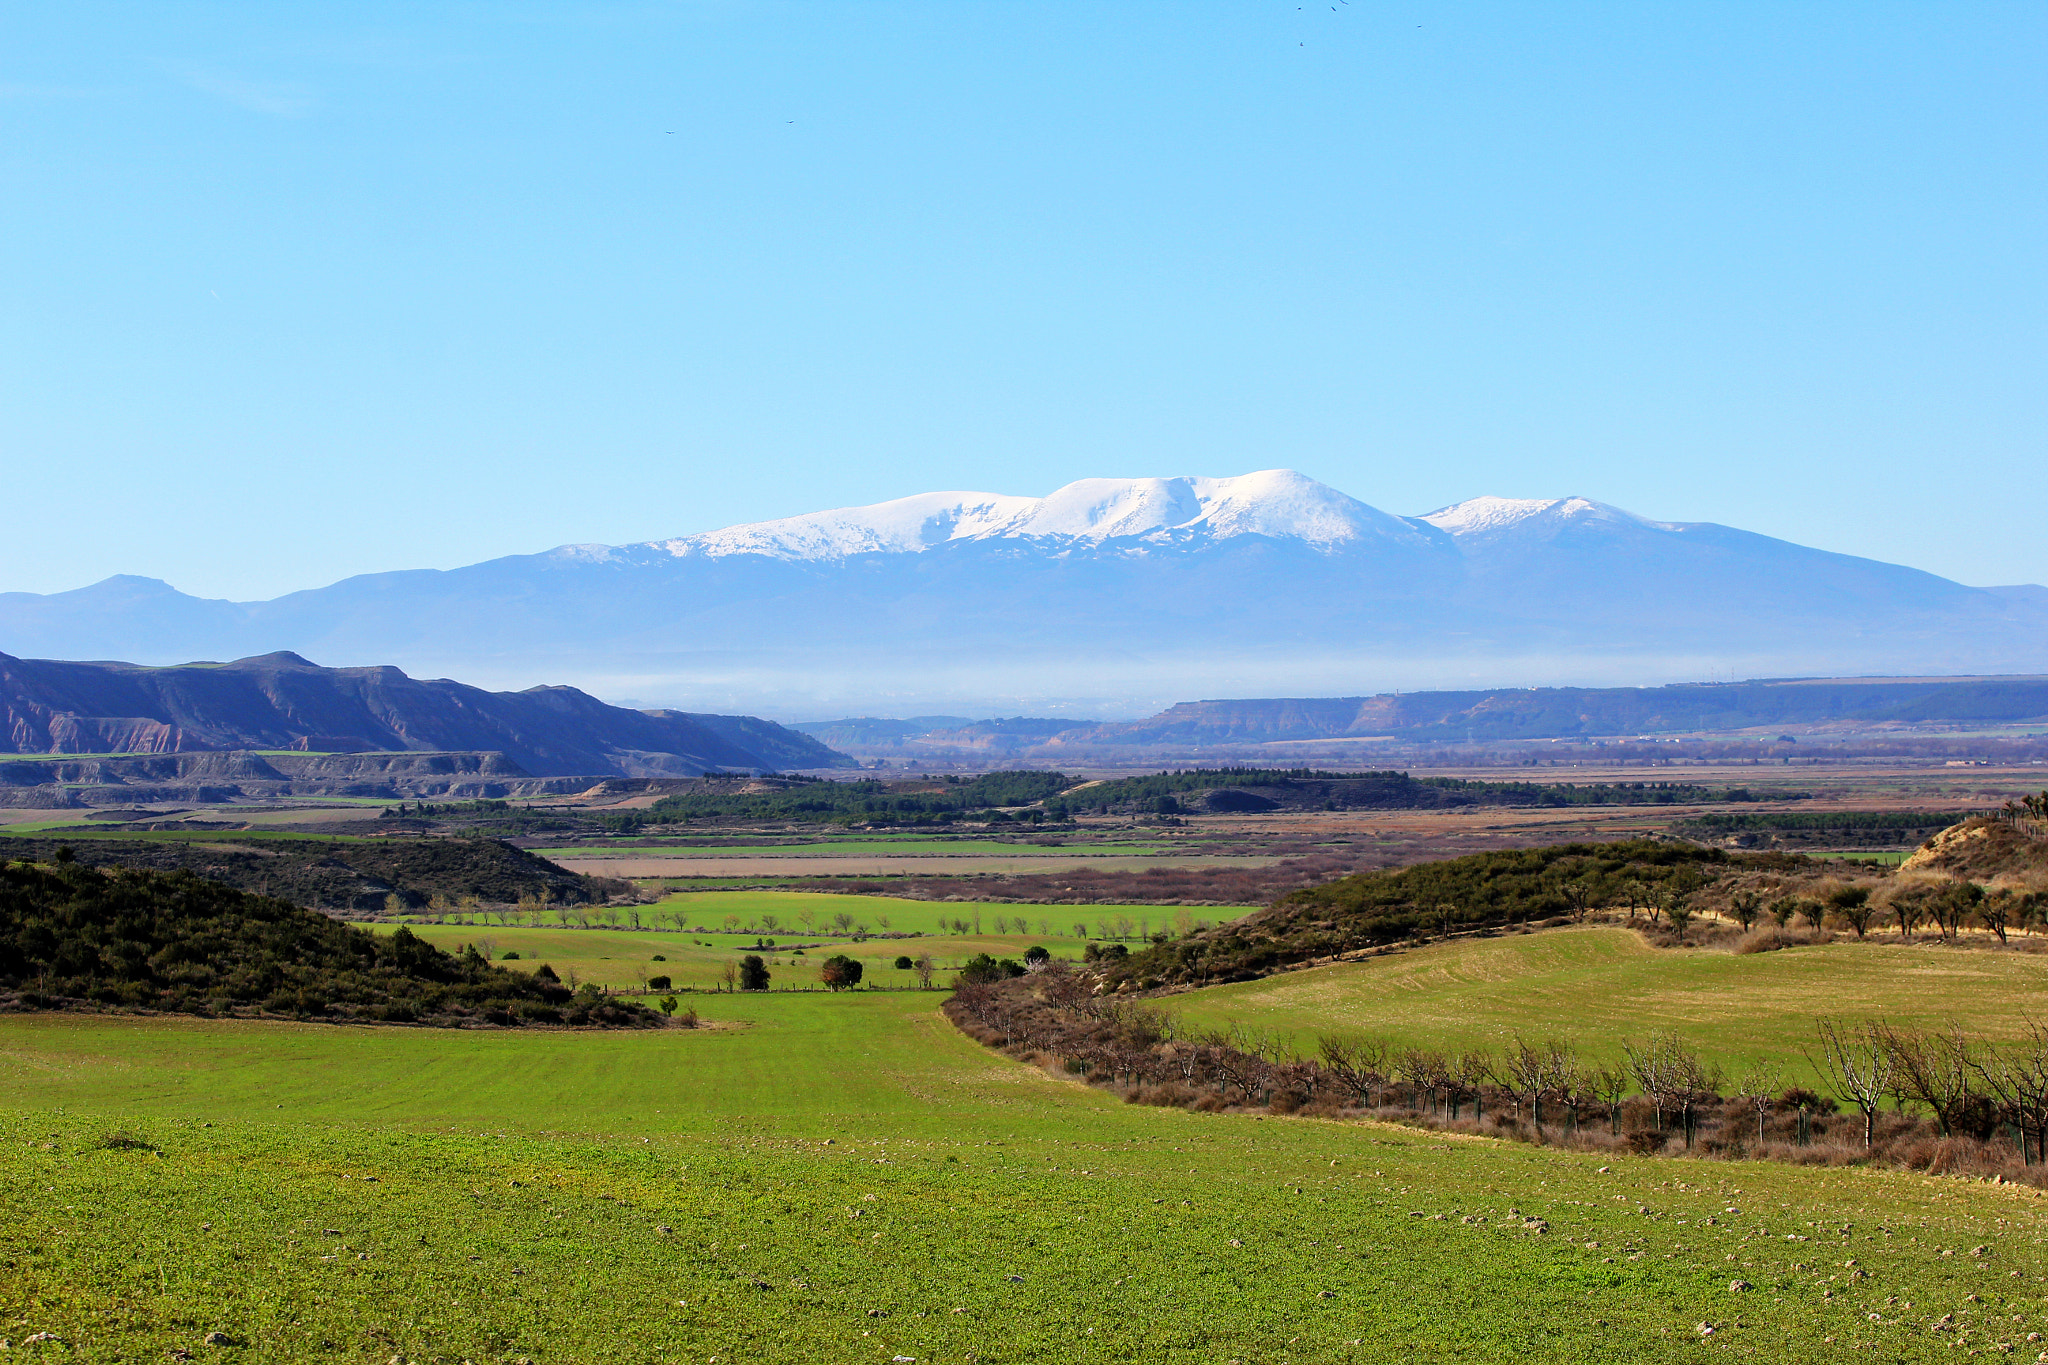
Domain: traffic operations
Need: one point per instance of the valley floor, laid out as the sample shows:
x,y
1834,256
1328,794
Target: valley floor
x,y
846,1178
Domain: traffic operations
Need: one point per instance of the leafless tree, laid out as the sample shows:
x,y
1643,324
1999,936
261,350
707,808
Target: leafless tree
x,y
1933,1069
1759,1085
2018,1077
1858,1064
1357,1065
1610,1085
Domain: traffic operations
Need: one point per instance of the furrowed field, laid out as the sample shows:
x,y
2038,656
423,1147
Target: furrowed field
x,y
846,1178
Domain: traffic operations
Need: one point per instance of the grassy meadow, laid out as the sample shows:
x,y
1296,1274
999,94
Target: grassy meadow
x,y
732,920
1596,985
846,1178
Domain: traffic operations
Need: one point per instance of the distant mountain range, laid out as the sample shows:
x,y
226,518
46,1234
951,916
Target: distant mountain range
x,y
1491,715
1116,596
282,702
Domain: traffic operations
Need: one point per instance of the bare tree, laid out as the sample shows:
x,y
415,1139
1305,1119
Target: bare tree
x,y
1933,1069
1672,1076
2018,1077
1523,1070
1567,1078
1357,1065
1858,1064
1759,1085
923,965
1610,1085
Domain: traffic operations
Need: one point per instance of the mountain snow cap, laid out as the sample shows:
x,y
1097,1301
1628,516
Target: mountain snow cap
x,y
1275,502
1491,517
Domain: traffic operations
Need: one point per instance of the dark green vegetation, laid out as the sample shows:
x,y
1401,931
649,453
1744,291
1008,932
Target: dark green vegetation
x,y
78,937
1484,890
863,803
1257,790
339,873
828,1178
1822,828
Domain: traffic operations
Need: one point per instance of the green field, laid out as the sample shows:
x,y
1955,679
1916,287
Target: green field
x,y
749,911
617,958
845,1178
1596,986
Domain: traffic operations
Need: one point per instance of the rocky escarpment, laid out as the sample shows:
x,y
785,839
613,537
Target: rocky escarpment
x,y
85,780
280,702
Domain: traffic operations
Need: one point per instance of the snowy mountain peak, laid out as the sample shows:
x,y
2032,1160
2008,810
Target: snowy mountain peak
x,y
1488,517
1275,502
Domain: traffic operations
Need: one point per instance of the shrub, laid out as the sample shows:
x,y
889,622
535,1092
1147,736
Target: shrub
x,y
657,983
903,962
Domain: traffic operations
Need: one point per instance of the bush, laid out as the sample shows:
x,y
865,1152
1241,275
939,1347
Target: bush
x,y
657,983
840,972
903,962
509,955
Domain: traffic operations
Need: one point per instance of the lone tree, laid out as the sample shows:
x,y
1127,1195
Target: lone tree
x,y
668,1005
753,973
1859,1065
840,972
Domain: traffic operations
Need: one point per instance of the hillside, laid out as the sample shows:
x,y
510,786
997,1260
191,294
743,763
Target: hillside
x,y
75,937
1123,593
281,702
1982,848
356,875
1481,891
1260,790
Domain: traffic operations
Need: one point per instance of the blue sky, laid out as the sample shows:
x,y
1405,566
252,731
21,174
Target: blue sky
x,y
293,292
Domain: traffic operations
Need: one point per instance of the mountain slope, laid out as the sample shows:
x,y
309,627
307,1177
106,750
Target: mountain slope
x,y
280,701
1117,595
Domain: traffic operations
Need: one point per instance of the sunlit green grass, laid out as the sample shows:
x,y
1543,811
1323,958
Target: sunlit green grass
x,y
622,959
1597,986
829,1178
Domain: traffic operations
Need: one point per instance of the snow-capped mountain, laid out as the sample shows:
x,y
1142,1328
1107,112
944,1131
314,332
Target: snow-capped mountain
x,y
1088,514
1109,593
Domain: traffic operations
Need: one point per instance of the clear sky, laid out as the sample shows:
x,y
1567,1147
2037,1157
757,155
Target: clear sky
x,y
289,292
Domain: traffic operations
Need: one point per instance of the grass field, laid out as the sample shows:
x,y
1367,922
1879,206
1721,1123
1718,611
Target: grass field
x,y
1598,985
848,1179
617,958
750,910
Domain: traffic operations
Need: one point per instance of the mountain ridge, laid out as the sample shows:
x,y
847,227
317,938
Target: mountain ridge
x,y
1110,596
280,701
